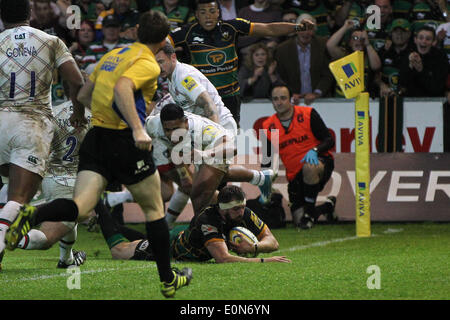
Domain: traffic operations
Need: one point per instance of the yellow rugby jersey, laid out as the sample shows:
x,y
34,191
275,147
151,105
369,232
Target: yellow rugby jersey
x,y
136,62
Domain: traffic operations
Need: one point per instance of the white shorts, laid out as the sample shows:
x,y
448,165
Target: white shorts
x,y
25,140
230,125
160,154
52,190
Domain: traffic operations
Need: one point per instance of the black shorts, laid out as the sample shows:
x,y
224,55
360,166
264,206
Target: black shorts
x,y
233,103
113,154
296,186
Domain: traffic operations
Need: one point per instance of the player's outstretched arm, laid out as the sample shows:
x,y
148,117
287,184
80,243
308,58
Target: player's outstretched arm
x,y
219,252
278,29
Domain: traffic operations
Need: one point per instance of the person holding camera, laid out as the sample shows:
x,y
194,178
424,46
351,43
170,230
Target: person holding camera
x,y
310,64
357,41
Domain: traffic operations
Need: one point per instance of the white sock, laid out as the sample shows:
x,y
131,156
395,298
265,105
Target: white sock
x,y
4,194
65,246
171,218
115,198
7,215
258,178
177,202
33,240
10,211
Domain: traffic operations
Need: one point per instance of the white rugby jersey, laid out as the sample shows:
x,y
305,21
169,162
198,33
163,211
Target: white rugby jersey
x,y
63,160
203,133
28,59
166,99
187,84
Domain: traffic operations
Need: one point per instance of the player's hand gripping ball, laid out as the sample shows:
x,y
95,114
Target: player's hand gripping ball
x,y
239,234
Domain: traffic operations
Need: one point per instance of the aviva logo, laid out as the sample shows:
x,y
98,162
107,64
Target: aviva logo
x,y
361,198
361,115
349,74
349,69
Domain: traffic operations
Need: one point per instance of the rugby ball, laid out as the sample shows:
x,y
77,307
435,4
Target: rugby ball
x,y
238,234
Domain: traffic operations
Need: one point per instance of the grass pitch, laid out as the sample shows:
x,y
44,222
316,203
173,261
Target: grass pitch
x,y
328,262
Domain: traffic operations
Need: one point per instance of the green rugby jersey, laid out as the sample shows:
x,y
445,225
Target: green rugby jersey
x,y
190,244
214,52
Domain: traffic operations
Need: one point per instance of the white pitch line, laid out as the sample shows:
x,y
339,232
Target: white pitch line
x,y
65,274
318,244
324,243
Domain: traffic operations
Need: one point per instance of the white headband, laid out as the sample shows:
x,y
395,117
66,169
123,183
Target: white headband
x,y
232,204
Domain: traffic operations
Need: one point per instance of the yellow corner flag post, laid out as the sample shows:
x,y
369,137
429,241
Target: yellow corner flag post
x,y
362,164
349,74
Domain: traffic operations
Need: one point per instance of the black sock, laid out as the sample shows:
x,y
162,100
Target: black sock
x,y
158,236
310,192
106,222
130,233
117,214
323,209
57,210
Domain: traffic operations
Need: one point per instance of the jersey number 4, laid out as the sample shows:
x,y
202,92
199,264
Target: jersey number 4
x,y
12,87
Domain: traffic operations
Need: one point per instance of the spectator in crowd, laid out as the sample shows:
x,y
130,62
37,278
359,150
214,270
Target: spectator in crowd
x,y
288,15
83,39
112,40
351,9
401,9
47,20
128,32
145,5
90,9
427,12
258,73
321,10
391,57
261,11
443,38
177,14
424,72
230,8
358,41
121,10
308,76
379,36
